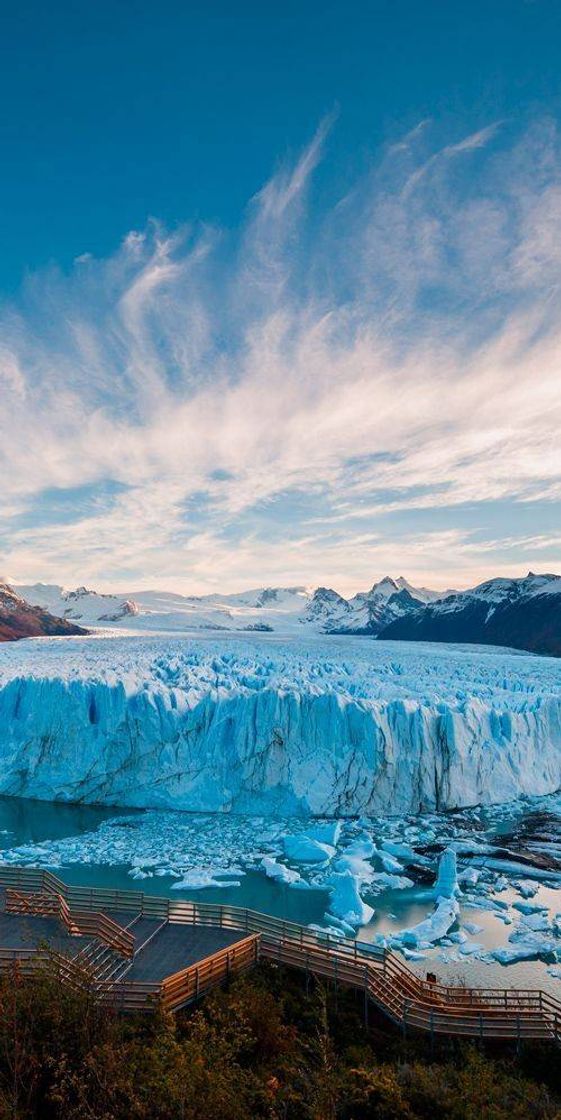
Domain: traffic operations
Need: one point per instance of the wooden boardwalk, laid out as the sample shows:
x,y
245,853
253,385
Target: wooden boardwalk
x,y
182,949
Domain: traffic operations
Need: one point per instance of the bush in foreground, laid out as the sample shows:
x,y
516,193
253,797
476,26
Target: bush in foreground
x,y
261,1049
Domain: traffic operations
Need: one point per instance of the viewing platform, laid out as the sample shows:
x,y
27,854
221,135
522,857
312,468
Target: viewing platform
x,y
136,951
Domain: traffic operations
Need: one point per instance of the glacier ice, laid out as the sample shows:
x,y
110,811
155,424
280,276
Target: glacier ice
x,y
324,726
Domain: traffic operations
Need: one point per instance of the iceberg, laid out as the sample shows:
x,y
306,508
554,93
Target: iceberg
x,y
434,927
447,885
303,849
320,727
200,878
280,872
346,902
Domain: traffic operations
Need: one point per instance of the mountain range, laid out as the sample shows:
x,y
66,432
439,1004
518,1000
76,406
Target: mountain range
x,y
522,613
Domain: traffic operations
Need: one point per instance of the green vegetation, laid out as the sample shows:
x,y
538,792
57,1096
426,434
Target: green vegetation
x,y
262,1049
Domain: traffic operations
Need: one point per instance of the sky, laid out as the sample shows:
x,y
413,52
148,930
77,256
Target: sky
x,y
279,292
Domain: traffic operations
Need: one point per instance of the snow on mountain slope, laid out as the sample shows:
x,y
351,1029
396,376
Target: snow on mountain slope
x,y
81,605
20,619
522,613
280,609
325,726
269,608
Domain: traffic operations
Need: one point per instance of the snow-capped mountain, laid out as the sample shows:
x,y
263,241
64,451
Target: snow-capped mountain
x,y
19,619
368,612
521,613
269,609
81,605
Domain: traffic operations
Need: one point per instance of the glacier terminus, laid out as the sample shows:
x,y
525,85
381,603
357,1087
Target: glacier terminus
x,y
320,726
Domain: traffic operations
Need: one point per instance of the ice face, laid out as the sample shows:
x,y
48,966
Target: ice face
x,y
330,727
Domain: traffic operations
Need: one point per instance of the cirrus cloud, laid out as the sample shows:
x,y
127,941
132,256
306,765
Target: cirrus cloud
x,y
335,390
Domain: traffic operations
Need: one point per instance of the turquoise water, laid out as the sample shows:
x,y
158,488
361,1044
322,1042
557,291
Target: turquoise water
x,y
255,891
31,823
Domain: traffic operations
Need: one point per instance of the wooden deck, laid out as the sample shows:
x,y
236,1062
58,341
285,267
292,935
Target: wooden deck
x,y
182,949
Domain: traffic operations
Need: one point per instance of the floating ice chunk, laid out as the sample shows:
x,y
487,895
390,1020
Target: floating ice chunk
x,y
529,907
327,833
472,928
470,876
541,945
509,955
199,879
446,885
470,947
304,849
401,851
343,927
346,902
501,884
526,869
526,888
355,857
362,847
459,938
524,947
279,871
435,927
382,881
491,904
537,922
390,863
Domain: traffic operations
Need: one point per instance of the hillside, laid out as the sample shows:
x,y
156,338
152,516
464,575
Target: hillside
x,y
19,619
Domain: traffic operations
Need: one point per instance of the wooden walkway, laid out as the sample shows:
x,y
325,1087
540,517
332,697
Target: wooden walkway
x,y
211,942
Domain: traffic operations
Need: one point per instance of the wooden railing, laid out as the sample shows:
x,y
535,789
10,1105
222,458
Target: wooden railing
x,y
385,980
192,982
86,923
26,962
99,925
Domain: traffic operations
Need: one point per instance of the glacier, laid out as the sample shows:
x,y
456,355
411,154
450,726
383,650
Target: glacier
x,y
323,726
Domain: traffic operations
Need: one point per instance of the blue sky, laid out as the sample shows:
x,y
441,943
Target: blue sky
x,y
279,292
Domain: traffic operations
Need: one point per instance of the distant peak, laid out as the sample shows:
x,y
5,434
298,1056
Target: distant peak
x,y
387,584
327,593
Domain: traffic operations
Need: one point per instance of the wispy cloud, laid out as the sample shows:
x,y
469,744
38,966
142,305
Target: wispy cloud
x,y
288,406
